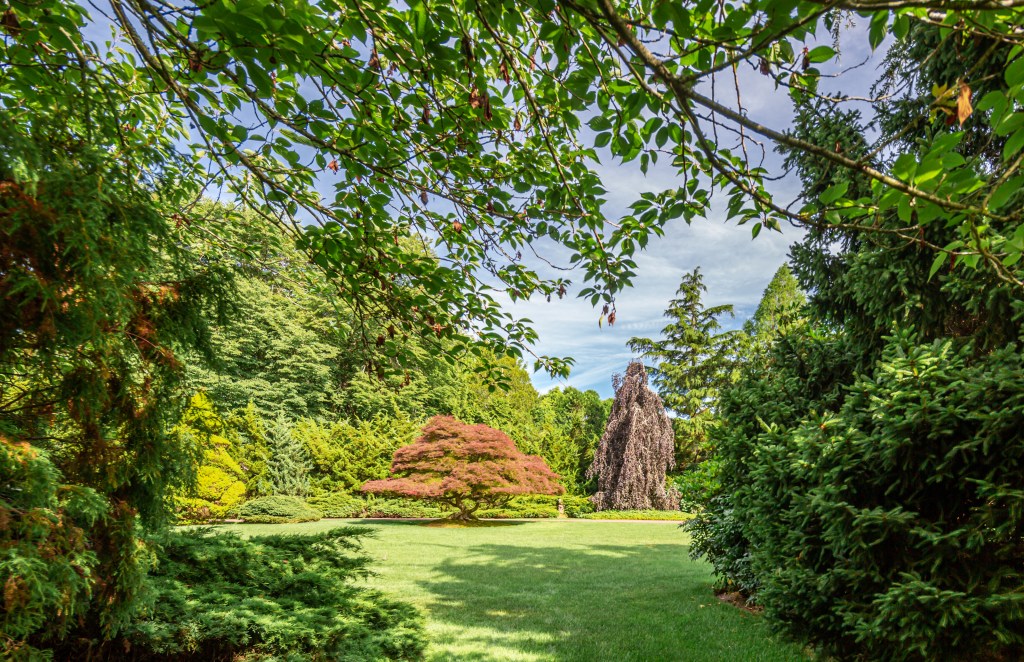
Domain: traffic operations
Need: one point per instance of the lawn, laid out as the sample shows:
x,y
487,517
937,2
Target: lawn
x,y
559,590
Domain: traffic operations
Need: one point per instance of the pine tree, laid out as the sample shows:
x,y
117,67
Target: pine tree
x,y
288,465
694,361
635,451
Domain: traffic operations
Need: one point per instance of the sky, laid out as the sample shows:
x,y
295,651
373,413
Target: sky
x,y
736,267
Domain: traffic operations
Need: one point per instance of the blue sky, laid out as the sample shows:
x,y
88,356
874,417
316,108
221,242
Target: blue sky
x,y
736,270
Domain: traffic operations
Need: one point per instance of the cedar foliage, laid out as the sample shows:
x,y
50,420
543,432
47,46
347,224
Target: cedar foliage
x,y
97,302
47,562
636,449
467,467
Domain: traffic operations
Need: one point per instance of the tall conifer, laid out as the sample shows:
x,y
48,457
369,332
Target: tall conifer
x,y
692,362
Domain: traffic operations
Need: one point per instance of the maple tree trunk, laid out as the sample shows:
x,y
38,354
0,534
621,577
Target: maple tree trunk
x,y
465,513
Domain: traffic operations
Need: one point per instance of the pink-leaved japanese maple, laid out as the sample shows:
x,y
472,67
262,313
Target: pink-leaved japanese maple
x,y
465,466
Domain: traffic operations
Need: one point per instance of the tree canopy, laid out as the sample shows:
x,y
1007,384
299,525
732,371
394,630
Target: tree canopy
x,y
864,469
694,359
423,155
353,125
465,467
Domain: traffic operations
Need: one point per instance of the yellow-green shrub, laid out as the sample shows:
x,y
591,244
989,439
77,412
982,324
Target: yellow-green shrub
x,y
220,480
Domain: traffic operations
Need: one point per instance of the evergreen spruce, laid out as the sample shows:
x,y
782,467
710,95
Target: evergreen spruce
x,y
636,449
288,465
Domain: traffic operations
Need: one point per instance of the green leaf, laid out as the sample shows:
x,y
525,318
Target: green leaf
x,y
937,263
877,29
834,192
901,26
821,54
1015,72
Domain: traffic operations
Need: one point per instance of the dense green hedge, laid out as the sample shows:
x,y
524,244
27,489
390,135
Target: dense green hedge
x,y
337,504
540,507
278,510
269,598
640,515
892,529
340,504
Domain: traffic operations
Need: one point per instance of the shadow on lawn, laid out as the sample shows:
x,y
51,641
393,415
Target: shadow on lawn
x,y
603,602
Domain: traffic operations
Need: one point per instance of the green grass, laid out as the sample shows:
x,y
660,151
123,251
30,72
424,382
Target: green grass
x,y
581,590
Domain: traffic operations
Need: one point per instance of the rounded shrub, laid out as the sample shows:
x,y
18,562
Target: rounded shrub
x,y
278,510
524,507
385,507
337,504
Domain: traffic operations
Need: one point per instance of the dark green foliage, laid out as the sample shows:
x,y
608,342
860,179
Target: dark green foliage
x,y
869,470
266,598
895,528
97,303
806,373
278,510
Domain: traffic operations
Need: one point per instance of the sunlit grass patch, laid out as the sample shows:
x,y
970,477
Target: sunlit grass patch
x,y
571,590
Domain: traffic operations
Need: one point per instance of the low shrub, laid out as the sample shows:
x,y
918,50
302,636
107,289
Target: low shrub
x,y
394,507
342,505
524,507
278,510
338,504
539,507
674,515
577,506
268,598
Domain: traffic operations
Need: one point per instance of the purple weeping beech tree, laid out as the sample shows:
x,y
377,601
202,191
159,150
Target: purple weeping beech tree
x,y
636,450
